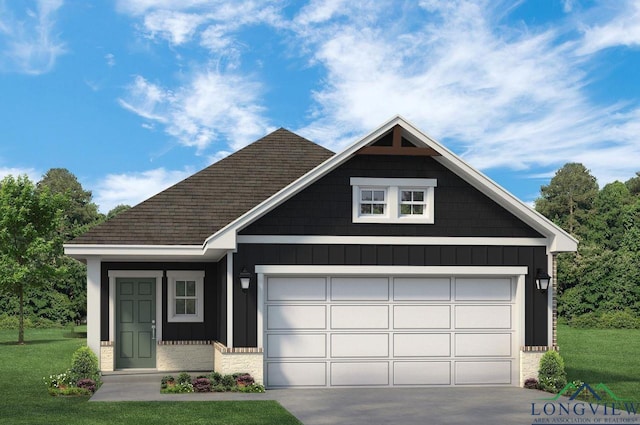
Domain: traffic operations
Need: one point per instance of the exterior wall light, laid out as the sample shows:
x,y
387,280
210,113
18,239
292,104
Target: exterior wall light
x,y
542,280
245,279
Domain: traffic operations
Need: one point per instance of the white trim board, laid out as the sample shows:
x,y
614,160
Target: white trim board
x,y
389,240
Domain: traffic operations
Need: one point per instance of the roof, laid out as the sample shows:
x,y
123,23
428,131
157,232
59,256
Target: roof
x,y
204,203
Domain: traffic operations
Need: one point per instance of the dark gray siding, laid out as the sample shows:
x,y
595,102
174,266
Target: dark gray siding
x,y
325,207
208,330
249,255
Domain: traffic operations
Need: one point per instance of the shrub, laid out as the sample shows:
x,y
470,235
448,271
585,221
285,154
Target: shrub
x,y
219,388
531,384
60,380
587,320
619,320
87,384
228,381
167,381
252,388
84,365
202,385
215,378
179,388
183,378
552,376
244,379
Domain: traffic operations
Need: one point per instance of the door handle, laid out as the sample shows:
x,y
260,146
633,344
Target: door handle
x,y
153,329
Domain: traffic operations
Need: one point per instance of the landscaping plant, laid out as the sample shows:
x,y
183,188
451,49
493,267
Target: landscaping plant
x,y
552,376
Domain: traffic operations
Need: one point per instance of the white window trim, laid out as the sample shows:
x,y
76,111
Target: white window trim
x,y
172,277
392,187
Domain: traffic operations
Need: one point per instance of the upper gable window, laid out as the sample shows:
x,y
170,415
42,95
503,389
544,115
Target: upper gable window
x,y
377,200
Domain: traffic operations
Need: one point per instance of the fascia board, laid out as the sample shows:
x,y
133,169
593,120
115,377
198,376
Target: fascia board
x,y
187,252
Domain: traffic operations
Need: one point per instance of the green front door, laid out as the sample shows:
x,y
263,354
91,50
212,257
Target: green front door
x,y
135,323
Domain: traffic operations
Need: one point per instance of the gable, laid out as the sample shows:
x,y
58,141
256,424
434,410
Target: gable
x,y
325,207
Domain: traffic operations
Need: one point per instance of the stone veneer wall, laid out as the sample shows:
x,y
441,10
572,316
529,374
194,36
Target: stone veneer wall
x,y
184,356
530,361
239,359
107,361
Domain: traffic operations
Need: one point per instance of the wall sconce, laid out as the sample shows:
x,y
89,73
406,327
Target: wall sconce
x,y
542,280
245,278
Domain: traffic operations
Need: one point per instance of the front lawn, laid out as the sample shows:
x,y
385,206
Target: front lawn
x,y
608,356
24,398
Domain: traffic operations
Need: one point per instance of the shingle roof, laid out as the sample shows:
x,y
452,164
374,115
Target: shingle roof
x,y
197,207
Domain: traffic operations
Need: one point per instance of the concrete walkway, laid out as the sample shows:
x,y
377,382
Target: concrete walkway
x,y
360,406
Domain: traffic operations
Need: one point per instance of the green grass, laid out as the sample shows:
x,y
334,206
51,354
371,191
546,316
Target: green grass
x,y
608,356
24,398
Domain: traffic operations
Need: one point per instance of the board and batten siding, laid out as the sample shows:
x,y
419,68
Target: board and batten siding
x,y
325,207
214,299
250,255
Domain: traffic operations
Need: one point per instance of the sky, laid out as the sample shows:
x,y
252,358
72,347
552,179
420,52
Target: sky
x,y
132,96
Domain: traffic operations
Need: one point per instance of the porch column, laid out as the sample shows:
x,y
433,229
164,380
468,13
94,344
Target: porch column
x,y
93,304
230,299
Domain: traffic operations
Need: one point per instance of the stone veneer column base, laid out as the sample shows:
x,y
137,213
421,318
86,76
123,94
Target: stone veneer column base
x,y
239,359
530,361
107,363
184,356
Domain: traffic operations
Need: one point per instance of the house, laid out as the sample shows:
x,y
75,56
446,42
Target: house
x,y
391,263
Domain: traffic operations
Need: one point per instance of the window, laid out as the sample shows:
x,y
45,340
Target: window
x,y
393,200
412,203
185,296
372,202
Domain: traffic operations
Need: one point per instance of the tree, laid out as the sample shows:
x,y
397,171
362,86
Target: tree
x,y
30,240
80,213
633,184
568,197
117,210
606,222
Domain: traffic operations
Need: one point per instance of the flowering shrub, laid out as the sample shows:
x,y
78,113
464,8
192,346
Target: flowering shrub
x,y
87,384
202,385
531,384
244,380
61,380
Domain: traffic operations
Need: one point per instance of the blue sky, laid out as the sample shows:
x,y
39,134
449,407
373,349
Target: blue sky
x,y
134,95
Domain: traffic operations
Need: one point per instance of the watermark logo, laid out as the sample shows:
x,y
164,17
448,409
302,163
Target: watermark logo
x,y
579,402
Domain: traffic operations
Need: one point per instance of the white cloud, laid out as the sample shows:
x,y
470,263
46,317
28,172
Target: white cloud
x,y
29,44
111,59
176,27
133,188
623,29
209,107
33,175
503,96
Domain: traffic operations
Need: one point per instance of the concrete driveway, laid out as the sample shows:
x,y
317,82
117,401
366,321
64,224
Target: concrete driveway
x,y
360,406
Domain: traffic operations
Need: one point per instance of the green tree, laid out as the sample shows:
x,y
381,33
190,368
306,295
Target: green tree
x,y
633,184
81,213
606,221
117,210
30,240
568,197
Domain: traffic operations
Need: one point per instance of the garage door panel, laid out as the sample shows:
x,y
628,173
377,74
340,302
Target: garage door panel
x,y
359,317
360,345
390,330
484,373
296,317
289,374
359,374
482,289
483,317
421,289
360,289
422,345
422,373
483,344
421,317
297,289
296,345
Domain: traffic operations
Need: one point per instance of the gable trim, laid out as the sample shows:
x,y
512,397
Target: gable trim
x,y
560,241
389,240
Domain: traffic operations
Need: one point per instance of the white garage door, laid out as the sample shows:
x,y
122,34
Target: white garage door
x,y
390,331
